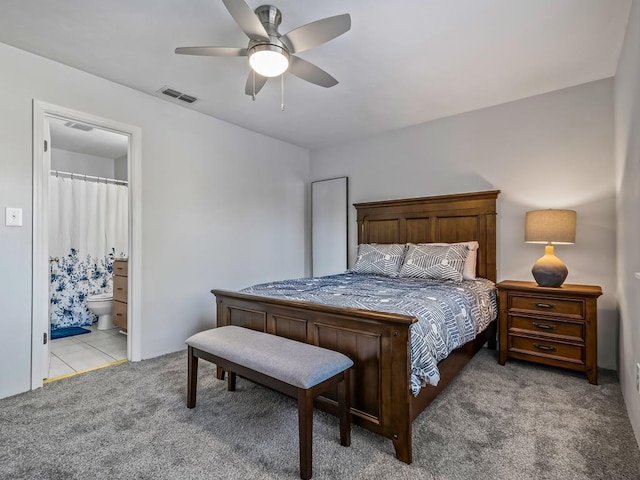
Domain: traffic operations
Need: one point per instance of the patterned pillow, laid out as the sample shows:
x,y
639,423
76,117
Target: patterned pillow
x,y
432,261
380,259
470,264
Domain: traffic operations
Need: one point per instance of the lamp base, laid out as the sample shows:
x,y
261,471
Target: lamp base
x,y
549,270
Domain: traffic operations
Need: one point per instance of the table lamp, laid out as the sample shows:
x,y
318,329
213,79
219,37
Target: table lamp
x,y
551,227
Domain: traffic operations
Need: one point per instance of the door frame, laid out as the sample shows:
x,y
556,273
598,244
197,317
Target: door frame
x,y
40,260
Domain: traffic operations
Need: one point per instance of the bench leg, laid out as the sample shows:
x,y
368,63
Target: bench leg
x,y
231,381
305,430
345,410
192,377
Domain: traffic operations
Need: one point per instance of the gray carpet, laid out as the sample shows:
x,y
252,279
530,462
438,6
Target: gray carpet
x,y
520,421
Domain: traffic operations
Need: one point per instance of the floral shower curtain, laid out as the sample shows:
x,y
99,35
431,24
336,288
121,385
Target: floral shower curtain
x,y
88,228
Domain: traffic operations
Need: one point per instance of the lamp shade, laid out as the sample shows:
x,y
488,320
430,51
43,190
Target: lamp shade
x,y
550,227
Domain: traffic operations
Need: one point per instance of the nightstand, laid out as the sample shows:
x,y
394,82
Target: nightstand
x,y
552,326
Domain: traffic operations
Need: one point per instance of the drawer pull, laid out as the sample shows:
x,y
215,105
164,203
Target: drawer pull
x,y
543,305
118,314
544,347
119,288
544,326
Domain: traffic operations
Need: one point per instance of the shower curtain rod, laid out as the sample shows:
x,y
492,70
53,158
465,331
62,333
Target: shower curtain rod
x,y
81,176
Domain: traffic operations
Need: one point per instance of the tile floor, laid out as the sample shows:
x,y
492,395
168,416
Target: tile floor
x,y
89,350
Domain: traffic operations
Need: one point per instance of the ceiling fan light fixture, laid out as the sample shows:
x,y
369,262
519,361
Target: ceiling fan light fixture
x,y
268,60
272,54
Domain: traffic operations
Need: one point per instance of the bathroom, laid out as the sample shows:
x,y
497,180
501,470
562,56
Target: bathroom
x,y
88,247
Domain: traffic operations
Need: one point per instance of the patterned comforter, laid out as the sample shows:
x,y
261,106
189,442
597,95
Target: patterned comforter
x,y
449,314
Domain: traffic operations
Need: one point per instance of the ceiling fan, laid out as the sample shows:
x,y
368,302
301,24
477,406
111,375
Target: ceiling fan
x,y
271,53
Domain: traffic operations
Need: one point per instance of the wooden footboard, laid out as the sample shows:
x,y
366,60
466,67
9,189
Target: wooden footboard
x,y
377,342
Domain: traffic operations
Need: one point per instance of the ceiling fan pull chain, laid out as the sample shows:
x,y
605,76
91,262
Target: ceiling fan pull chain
x,y
253,74
282,91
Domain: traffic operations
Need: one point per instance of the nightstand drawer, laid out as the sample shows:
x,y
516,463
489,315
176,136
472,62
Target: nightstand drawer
x,y
547,305
566,330
538,347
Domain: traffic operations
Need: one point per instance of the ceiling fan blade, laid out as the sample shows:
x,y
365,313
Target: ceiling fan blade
x,y
213,51
309,72
318,32
246,19
260,81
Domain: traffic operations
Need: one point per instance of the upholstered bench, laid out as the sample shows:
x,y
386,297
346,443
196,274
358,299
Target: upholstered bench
x,y
296,369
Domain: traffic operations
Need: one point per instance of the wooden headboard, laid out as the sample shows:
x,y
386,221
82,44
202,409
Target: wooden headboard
x,y
446,218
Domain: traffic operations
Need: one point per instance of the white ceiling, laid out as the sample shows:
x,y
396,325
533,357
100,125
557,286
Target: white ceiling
x,y
403,62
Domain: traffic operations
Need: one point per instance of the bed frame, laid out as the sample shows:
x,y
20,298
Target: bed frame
x,y
377,342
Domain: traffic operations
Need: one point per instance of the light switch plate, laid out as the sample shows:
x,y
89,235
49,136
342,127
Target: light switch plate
x,y
13,217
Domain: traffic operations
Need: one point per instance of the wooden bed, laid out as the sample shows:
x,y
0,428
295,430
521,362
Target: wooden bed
x,y
378,342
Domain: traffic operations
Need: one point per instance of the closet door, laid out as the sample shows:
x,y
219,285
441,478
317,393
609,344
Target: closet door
x,y
329,226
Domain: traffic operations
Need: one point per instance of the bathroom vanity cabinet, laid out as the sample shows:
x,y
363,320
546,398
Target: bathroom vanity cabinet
x,y
120,280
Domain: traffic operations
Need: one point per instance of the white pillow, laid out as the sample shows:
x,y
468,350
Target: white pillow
x,y
470,264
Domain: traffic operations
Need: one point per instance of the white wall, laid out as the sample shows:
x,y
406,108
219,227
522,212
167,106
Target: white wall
x,y
222,207
66,161
120,168
627,121
548,151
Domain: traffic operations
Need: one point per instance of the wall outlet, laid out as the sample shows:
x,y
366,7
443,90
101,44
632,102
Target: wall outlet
x,y
638,377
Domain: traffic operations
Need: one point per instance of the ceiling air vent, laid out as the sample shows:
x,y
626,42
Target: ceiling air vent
x,y
177,95
79,126
187,98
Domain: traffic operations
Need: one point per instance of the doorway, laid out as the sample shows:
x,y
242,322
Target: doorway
x,y
88,236
43,115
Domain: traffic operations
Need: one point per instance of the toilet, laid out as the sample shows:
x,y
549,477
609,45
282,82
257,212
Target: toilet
x,y
101,305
